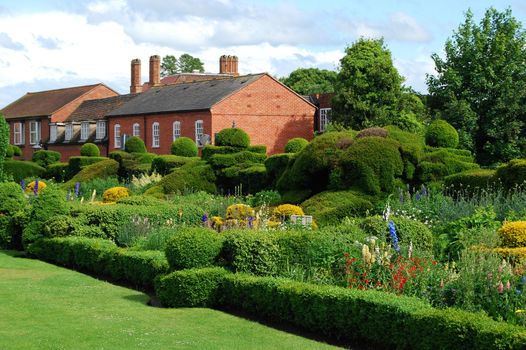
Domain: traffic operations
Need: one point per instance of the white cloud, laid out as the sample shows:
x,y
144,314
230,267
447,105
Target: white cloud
x,y
104,7
415,70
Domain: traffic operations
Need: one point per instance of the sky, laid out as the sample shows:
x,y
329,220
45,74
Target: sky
x,y
49,44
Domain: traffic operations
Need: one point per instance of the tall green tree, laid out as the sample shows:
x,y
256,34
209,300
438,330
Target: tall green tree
x,y
306,81
480,85
368,86
4,142
186,63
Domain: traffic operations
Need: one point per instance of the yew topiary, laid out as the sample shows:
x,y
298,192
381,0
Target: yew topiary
x,y
89,150
185,147
295,145
113,194
233,137
441,134
135,145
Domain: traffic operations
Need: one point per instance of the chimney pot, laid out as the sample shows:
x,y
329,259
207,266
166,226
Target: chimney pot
x,y
155,70
135,86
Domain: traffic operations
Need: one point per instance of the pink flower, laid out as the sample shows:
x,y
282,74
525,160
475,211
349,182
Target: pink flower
x,y
508,285
500,288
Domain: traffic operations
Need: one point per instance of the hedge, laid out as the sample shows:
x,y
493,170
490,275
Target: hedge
x,y
56,171
193,248
135,144
20,169
165,163
194,176
471,180
511,174
90,150
258,149
209,150
184,147
190,288
101,169
77,163
233,137
219,161
12,201
44,157
102,257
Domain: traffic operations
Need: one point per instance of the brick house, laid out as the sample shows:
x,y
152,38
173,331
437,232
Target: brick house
x,y
29,117
267,110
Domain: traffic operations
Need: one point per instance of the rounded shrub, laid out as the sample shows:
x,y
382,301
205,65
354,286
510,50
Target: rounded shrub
x,y
194,176
10,151
193,247
19,169
185,147
233,137
38,184
375,131
44,158
113,194
90,150
295,145
239,212
17,151
135,145
286,210
11,201
512,174
441,134
513,234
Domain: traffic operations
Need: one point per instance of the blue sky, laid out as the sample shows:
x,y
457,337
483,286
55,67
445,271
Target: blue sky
x,y
58,43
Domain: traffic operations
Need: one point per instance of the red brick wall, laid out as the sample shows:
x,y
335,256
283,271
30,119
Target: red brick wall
x,y
27,149
269,112
100,91
166,128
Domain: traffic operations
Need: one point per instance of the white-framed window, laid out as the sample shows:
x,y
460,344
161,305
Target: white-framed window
x,y
198,131
325,116
69,132
156,135
18,133
101,130
53,133
117,136
176,130
34,132
84,131
136,129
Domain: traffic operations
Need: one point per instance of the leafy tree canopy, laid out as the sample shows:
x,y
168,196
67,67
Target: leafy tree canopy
x,y
184,64
306,81
368,86
4,143
480,85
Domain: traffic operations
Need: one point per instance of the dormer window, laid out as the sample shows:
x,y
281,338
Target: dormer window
x,y
69,132
53,133
84,131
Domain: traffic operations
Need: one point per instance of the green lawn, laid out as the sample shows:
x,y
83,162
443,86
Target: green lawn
x,y
47,307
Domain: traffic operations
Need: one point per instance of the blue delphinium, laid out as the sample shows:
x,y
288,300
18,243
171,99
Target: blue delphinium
x,y
204,218
77,189
35,190
394,237
417,196
250,221
23,185
424,191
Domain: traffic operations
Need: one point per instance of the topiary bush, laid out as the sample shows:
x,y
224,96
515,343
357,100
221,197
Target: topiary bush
x,y
10,151
441,134
100,170
193,248
471,181
276,166
17,151
89,150
258,149
165,163
56,171
184,147
512,174
239,212
11,201
20,169
76,164
209,150
194,176
135,144
375,131
284,211
44,158
513,234
232,137
112,195
295,145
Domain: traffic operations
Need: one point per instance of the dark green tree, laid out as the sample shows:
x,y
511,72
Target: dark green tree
x,y
306,81
480,86
184,64
368,86
4,142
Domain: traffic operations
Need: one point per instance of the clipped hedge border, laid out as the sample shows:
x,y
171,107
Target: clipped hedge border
x,y
102,257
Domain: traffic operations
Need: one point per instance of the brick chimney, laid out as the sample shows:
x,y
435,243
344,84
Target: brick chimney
x,y
228,65
155,70
135,86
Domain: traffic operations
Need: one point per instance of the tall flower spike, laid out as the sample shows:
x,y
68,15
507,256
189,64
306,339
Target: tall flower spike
x,y
35,190
394,237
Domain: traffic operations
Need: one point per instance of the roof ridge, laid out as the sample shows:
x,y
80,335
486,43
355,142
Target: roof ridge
x,y
67,88
209,80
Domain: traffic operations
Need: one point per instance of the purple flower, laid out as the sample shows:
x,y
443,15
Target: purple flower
x,y
204,218
250,221
35,190
417,196
23,185
424,191
394,237
77,189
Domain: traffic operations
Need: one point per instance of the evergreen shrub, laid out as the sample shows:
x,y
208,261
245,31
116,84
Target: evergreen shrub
x,y
56,171
441,134
513,234
11,201
276,166
374,131
184,147
112,195
194,176
471,180
135,144
20,169
258,149
89,150
165,163
44,158
193,248
10,151
512,174
102,169
233,137
295,145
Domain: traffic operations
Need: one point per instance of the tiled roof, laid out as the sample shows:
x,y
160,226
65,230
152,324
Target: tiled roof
x,y
97,109
44,103
186,78
194,96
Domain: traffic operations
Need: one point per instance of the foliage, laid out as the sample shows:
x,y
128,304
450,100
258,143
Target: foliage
x,y
481,85
373,131
232,137
45,158
512,174
330,207
368,86
10,151
513,234
257,149
99,171
76,164
471,180
276,165
194,176
239,212
307,81
135,144
11,201
437,163
56,171
193,248
20,169
165,163
295,145
441,134
209,150
184,64
113,194
196,287
269,198
89,150
185,147
4,143
286,210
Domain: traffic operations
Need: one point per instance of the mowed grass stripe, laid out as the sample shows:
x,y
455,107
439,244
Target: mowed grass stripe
x,y
43,306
